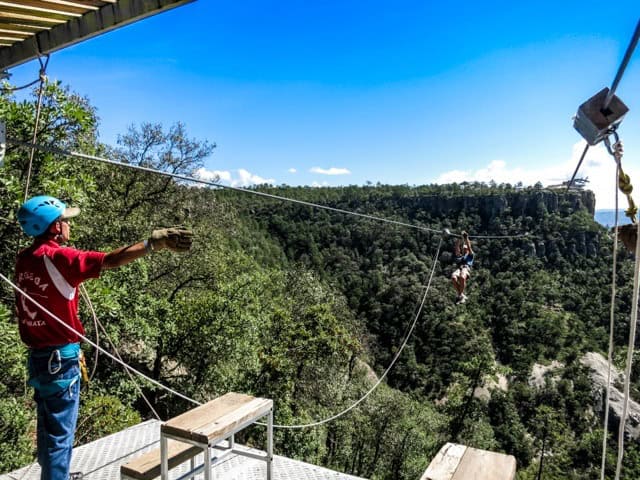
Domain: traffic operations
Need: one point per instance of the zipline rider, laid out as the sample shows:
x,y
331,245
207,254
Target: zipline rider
x,y
464,261
51,274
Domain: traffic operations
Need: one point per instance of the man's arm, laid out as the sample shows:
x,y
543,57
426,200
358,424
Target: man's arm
x,y
175,239
123,255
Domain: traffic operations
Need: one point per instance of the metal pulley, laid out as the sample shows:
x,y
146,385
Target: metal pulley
x,y
598,116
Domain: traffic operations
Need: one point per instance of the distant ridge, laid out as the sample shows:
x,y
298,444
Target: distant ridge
x,y
606,217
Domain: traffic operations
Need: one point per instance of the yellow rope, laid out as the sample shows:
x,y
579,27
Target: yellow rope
x,y
624,183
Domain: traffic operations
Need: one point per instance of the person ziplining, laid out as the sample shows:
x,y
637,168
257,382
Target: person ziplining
x,y
464,261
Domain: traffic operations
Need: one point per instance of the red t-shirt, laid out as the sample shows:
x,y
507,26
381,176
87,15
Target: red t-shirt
x,y
50,274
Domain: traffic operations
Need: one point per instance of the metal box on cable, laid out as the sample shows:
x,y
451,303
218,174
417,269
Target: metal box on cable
x,y
594,121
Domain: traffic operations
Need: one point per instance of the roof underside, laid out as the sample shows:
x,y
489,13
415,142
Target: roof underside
x,y
29,28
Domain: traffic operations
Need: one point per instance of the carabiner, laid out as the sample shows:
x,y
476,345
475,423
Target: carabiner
x,y
55,356
607,142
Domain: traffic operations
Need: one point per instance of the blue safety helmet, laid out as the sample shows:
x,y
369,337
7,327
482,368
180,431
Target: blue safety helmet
x,y
38,213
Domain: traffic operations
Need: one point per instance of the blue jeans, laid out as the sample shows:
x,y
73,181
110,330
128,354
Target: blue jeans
x,y
57,411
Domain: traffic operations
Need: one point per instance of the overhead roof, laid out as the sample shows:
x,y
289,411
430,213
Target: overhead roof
x,y
32,27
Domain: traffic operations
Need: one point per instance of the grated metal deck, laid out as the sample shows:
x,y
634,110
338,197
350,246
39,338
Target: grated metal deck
x,y
101,460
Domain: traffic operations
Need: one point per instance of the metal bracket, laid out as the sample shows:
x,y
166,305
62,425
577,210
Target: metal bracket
x,y
594,122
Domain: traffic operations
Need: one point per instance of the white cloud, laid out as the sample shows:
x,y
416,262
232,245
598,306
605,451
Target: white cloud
x,y
242,178
318,185
331,171
247,178
213,175
598,167
292,170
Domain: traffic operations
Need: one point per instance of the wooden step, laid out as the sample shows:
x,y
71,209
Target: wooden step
x,y
147,466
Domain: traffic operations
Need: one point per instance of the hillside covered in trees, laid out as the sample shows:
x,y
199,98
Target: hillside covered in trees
x,y
309,306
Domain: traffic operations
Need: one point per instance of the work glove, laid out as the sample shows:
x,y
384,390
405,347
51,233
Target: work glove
x,y
176,239
465,235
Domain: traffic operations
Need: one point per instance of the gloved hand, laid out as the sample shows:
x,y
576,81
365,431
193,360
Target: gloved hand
x,y
176,239
465,235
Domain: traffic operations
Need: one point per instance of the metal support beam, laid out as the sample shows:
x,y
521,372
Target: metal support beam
x,y
91,24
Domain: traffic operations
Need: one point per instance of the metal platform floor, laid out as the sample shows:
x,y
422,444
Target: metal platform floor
x,y
101,460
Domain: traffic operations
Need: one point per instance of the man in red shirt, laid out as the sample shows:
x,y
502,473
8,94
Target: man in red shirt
x,y
51,274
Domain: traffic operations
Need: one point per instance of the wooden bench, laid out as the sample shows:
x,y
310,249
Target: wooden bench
x,y
199,430
458,462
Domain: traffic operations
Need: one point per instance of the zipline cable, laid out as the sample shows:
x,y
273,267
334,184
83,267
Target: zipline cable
x,y
623,66
611,326
187,178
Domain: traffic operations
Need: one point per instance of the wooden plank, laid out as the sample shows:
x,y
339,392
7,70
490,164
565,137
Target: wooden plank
x,y
230,423
445,463
7,32
147,466
197,418
28,30
35,15
82,3
484,465
45,6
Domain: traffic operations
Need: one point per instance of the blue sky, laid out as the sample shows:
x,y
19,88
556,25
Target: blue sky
x,y
345,92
